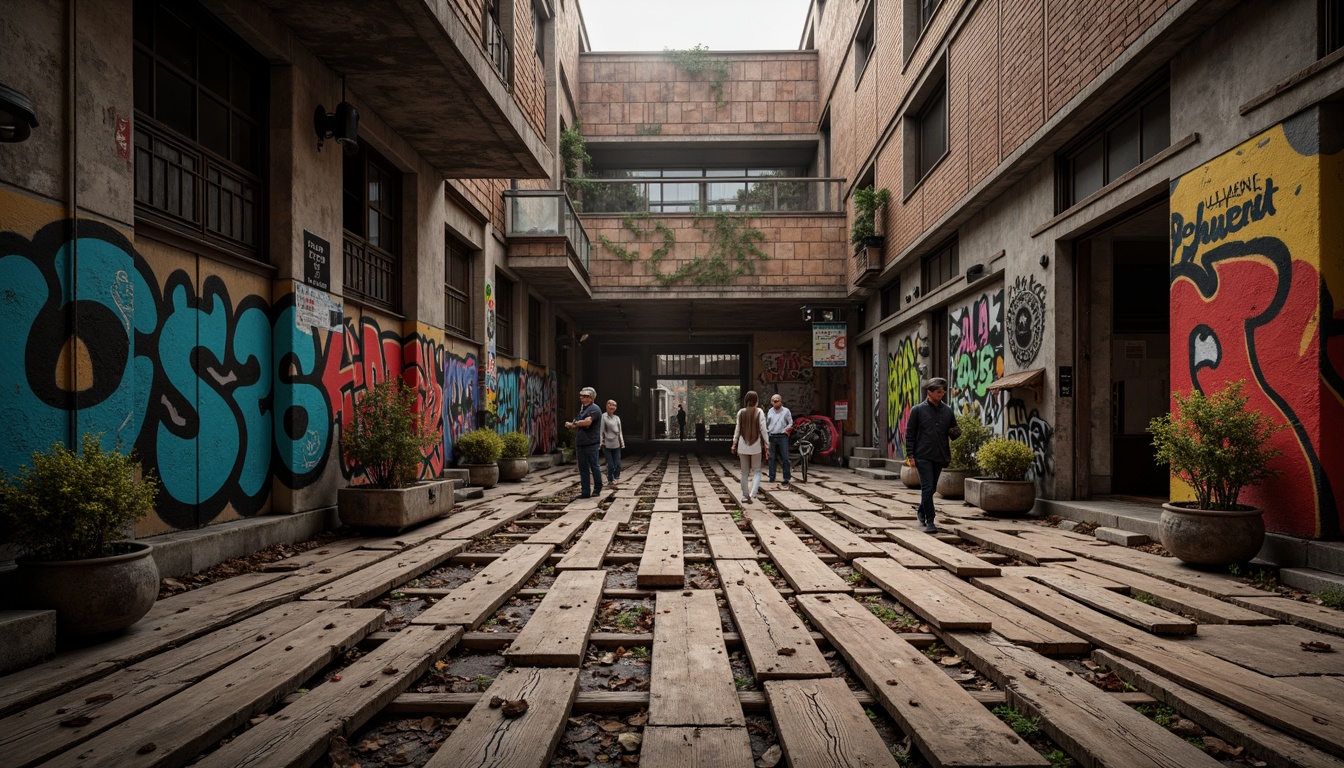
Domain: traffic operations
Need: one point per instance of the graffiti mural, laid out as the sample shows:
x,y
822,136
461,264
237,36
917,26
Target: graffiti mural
x,y
1026,312
491,385
877,397
784,364
526,403
1033,430
903,378
975,348
460,380
1255,286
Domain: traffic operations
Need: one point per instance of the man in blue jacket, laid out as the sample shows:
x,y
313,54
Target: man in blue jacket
x,y
927,445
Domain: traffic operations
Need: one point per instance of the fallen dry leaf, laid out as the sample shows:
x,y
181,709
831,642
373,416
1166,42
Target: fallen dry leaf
x,y
1316,646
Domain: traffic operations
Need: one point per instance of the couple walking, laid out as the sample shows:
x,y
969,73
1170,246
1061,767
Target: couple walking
x,y
761,434
594,429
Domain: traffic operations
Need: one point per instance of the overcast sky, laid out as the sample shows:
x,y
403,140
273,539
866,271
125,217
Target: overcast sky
x,y
723,25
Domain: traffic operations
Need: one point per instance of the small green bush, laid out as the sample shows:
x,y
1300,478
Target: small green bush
x,y
516,446
867,202
74,506
480,446
1005,459
974,433
385,437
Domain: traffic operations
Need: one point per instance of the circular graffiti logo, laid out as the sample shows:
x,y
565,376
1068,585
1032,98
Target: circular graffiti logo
x,y
1026,313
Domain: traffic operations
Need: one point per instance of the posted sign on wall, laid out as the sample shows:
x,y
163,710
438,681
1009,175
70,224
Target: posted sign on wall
x,y
828,345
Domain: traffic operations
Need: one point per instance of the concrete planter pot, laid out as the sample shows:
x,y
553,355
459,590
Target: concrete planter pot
x,y
1008,498
909,476
92,597
512,470
482,475
394,508
952,483
1212,537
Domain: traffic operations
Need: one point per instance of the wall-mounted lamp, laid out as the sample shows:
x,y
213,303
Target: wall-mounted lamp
x,y
568,341
341,125
1045,259
917,292
17,119
908,298
924,350
807,314
975,272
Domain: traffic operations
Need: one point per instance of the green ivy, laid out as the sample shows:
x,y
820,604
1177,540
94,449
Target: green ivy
x,y
733,249
696,61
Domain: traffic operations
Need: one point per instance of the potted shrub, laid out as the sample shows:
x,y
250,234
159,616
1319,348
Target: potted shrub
x,y
69,513
513,458
974,433
1217,446
385,440
867,202
479,450
1006,491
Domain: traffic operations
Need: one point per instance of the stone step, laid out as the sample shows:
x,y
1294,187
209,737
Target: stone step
x,y
1311,579
856,462
872,473
867,453
456,473
26,637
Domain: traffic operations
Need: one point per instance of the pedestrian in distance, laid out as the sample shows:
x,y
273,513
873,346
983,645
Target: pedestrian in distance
x,y
749,445
613,442
931,426
587,426
779,421
681,422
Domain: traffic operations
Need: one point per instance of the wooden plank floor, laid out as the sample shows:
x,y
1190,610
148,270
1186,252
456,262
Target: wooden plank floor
x,y
228,660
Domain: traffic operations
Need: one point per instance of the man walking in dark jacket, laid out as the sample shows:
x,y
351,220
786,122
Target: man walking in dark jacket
x,y
927,446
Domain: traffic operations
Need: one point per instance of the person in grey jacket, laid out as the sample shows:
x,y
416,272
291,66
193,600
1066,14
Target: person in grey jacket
x,y
927,445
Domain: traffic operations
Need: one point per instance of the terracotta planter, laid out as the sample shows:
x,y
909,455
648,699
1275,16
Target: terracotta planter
x,y
952,483
909,476
1001,497
394,508
92,597
1212,537
512,470
482,475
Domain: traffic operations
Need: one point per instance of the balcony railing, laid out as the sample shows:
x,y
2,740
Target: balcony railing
x,y
545,213
496,46
742,194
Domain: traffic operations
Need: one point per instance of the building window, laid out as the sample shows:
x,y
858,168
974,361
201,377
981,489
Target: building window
x,y
504,290
1332,26
371,207
932,123
534,325
891,299
863,42
496,43
939,267
1118,143
200,127
918,15
539,32
562,343
457,289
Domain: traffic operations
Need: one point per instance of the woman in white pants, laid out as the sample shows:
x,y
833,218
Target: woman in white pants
x,y
750,445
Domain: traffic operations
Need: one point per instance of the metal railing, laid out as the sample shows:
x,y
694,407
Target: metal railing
x,y
496,46
733,194
545,213
372,275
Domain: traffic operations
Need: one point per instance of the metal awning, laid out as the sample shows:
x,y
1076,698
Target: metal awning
x,y
1032,379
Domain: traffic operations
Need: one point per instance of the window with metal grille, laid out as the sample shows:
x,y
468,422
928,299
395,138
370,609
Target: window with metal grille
x,y
697,365
199,136
457,288
371,207
1332,26
504,342
534,325
1128,136
939,267
496,44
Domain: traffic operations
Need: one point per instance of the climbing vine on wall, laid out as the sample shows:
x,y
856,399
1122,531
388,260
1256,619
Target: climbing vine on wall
x,y
696,62
631,223
575,159
733,249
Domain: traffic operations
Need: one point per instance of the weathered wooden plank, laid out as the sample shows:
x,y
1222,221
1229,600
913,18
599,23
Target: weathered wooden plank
x,y
560,531
695,748
662,564
1206,608
863,518
1142,615
836,537
364,585
488,738
800,566
1311,718
421,534
1306,614
557,633
820,725
777,643
1164,568
492,521
726,541
907,557
940,607
1014,623
473,602
1276,651
940,717
692,682
301,733
1063,569
819,493
792,502
590,550
961,563
620,511
184,725
1005,543
35,734
1260,741
1083,719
